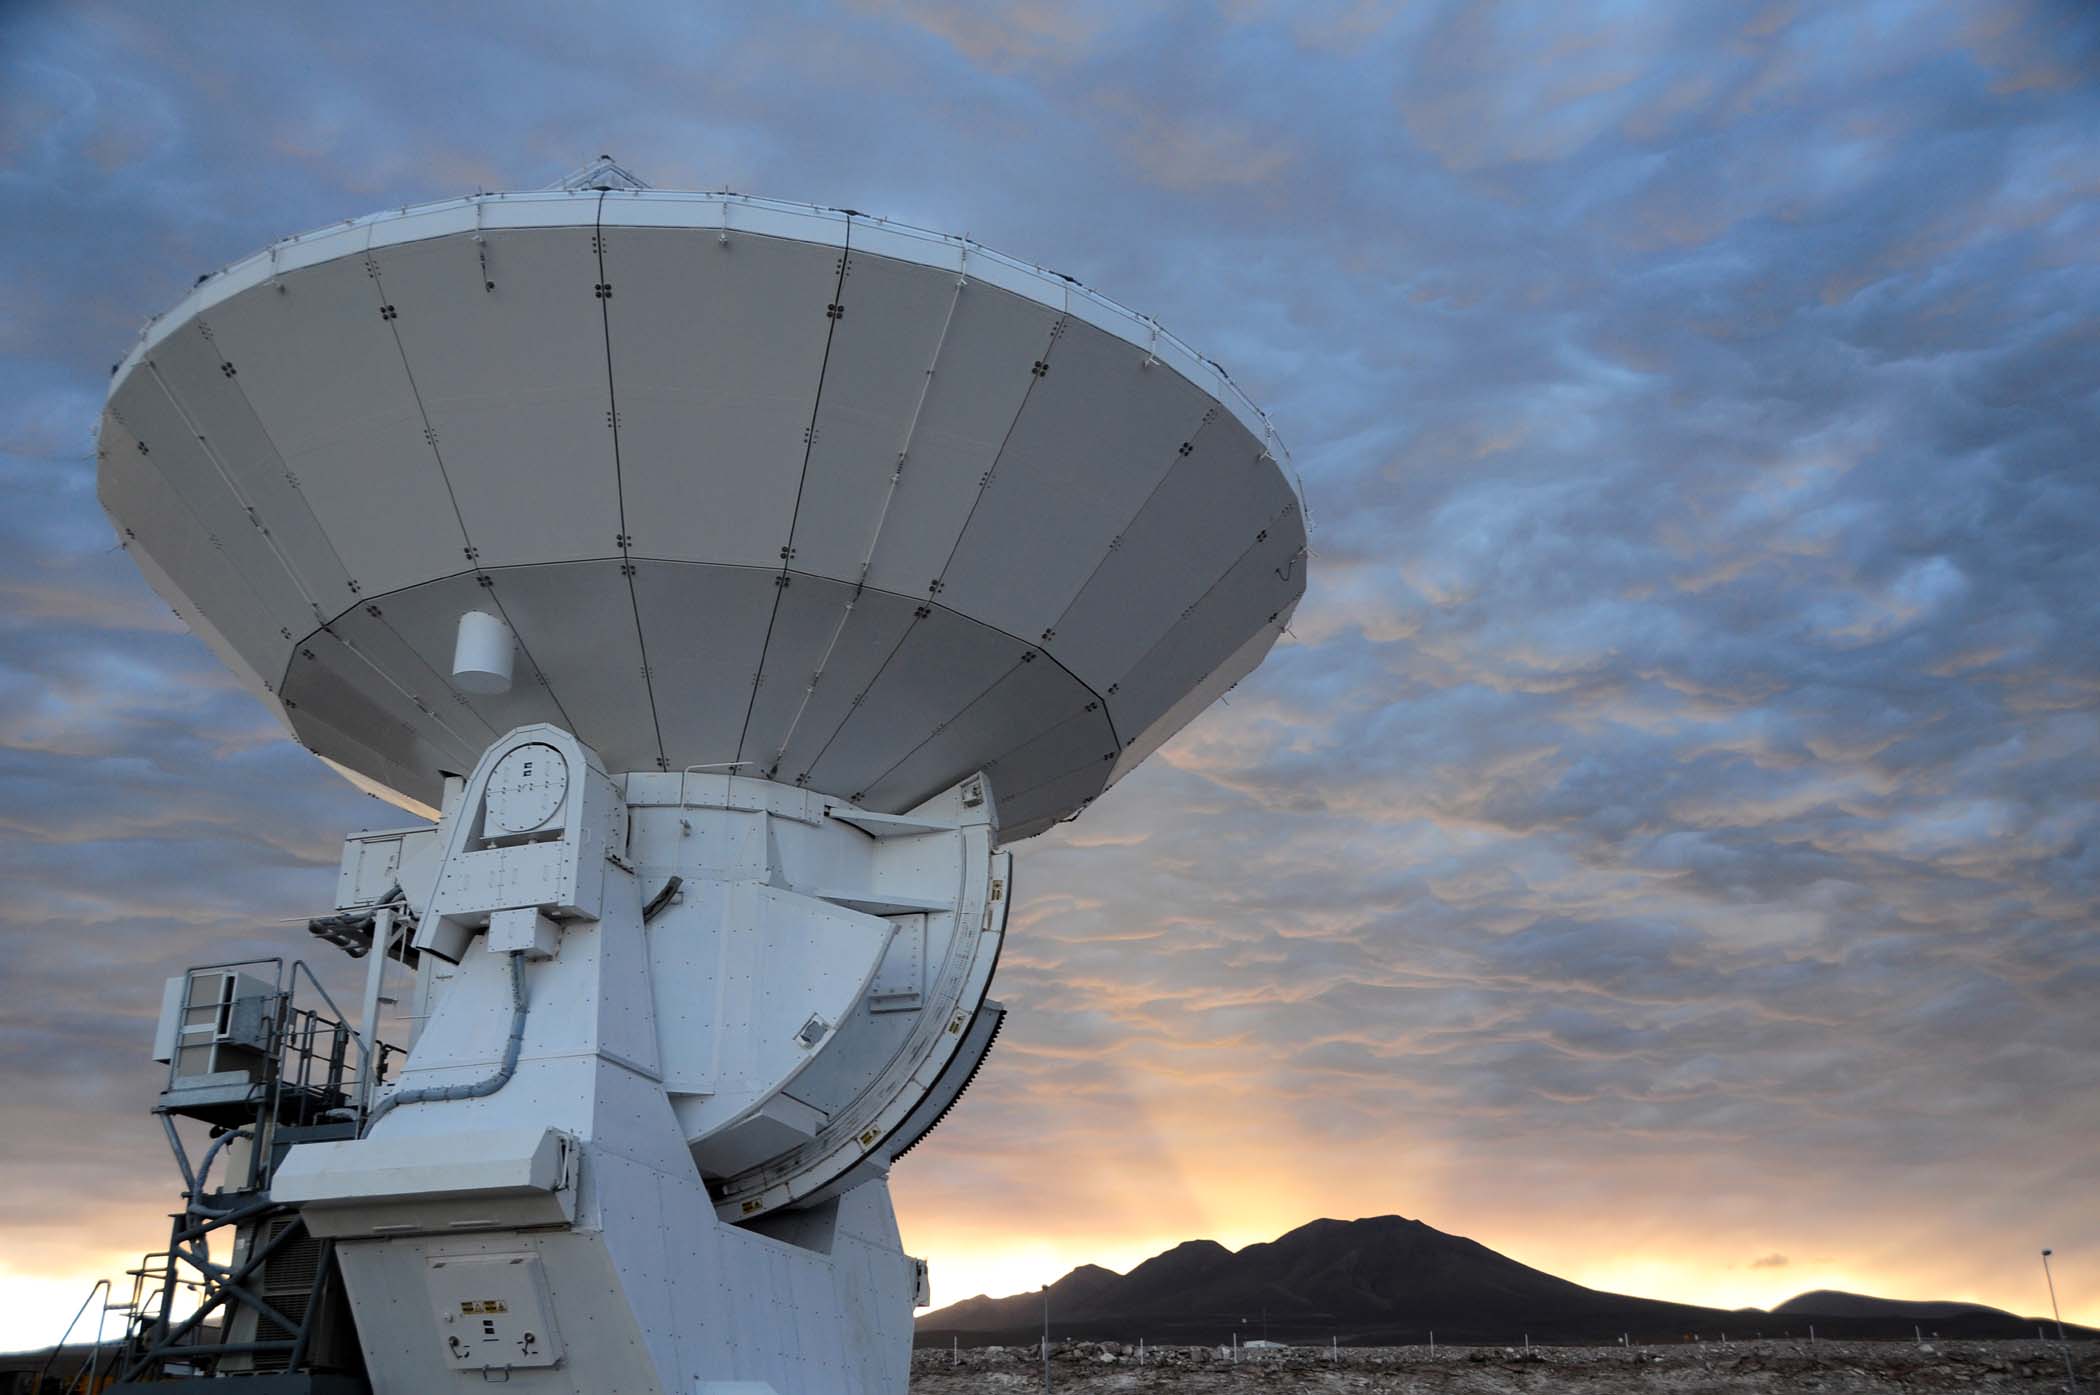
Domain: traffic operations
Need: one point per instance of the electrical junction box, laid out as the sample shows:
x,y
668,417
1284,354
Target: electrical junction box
x,y
493,1311
379,862
214,1021
524,930
370,864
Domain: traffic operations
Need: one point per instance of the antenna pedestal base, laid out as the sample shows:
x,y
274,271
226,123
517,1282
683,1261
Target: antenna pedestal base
x,y
675,1028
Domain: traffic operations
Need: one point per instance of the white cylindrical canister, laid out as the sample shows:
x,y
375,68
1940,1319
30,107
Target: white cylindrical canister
x,y
481,656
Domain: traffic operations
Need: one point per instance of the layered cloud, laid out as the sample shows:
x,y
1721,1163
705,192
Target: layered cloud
x,y
1666,847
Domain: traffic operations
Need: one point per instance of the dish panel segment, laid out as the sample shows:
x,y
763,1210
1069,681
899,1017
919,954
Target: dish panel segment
x,y
1096,434
512,384
984,375
705,628
1252,599
577,619
1031,697
208,390
864,645
887,339
193,575
942,665
323,374
1207,511
717,353
165,442
333,684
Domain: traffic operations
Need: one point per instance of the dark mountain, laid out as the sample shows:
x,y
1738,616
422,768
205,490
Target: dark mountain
x,y
1082,1290
1389,1280
1826,1302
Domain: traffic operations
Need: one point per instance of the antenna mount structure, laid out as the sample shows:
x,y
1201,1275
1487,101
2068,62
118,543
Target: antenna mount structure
x,y
550,517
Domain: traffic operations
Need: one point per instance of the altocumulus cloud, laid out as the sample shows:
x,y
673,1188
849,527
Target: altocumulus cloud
x,y
1670,832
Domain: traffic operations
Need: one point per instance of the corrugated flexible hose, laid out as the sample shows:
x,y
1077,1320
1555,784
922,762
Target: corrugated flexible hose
x,y
198,1206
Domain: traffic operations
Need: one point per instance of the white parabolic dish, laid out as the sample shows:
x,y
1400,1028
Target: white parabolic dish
x,y
839,501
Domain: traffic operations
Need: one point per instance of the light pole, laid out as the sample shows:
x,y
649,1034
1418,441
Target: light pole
x,y
1046,1339
2063,1341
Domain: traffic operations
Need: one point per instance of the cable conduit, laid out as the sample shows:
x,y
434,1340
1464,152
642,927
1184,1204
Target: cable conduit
x,y
478,1089
198,1205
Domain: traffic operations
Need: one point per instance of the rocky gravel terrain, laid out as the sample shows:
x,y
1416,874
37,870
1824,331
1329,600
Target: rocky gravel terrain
x,y
1767,1368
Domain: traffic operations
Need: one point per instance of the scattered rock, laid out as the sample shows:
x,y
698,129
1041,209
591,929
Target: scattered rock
x,y
1742,1368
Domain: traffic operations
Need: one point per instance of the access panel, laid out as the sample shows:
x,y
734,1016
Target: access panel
x,y
493,1311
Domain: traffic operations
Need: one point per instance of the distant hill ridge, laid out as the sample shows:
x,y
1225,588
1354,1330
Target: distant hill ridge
x,y
1830,1302
1388,1280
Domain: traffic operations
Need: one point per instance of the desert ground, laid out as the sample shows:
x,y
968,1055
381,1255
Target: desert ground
x,y
1766,1368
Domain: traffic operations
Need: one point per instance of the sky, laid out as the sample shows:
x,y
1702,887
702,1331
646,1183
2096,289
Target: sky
x,y
1666,848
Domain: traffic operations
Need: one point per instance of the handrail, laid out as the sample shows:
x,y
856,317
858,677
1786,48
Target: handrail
x,y
95,1356
276,979
364,1052
298,968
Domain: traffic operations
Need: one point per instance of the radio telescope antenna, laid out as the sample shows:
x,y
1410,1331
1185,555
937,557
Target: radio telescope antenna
x,y
727,615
